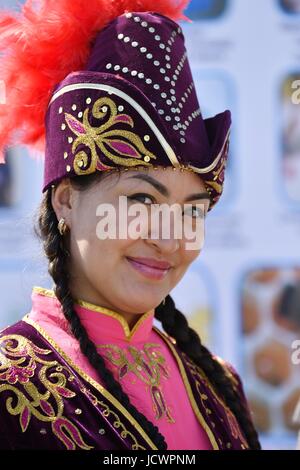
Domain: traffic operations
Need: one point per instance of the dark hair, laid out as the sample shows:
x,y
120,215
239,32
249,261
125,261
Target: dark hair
x,y
173,322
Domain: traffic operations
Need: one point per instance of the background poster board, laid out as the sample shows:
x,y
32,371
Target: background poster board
x,y
242,293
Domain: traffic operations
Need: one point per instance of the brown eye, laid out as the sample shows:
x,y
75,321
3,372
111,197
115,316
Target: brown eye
x,y
140,196
199,213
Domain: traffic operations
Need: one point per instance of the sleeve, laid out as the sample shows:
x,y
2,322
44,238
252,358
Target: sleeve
x,y
237,385
6,426
296,419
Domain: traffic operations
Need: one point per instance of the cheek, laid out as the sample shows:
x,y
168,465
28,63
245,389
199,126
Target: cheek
x,y
186,259
96,256
189,255
84,242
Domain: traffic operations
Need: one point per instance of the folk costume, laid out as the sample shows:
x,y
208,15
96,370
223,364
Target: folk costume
x,y
103,85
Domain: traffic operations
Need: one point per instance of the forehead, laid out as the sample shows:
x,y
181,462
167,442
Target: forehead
x,y
173,185
168,176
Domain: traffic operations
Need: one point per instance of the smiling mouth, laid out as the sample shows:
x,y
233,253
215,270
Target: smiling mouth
x,y
148,271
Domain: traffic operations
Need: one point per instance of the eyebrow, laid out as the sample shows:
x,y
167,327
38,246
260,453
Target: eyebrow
x,y
165,192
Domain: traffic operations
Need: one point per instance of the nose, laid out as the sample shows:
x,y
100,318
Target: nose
x,y
163,237
166,246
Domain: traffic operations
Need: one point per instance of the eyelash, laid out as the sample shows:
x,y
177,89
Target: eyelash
x,y
139,195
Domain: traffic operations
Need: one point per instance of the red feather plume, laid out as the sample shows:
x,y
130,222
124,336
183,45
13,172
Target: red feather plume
x,y
42,44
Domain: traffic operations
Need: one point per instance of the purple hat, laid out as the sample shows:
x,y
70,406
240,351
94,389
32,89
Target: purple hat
x,y
134,105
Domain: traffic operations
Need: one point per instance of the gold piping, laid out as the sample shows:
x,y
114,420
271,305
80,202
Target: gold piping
x,y
90,380
189,392
221,401
104,392
106,311
110,89
215,162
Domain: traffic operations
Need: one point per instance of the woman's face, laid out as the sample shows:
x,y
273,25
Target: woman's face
x,y
103,270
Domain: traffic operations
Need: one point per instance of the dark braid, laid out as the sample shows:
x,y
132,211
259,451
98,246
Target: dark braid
x,y
173,322
57,254
176,325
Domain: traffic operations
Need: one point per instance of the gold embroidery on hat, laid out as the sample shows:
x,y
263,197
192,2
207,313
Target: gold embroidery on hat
x,y
138,108
111,142
218,175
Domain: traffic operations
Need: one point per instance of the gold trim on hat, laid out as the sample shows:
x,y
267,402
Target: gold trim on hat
x,y
97,86
211,167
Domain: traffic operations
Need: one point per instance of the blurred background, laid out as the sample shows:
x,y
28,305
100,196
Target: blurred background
x,y
242,294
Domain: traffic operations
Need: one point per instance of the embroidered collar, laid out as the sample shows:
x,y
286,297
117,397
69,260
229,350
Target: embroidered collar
x,y
101,323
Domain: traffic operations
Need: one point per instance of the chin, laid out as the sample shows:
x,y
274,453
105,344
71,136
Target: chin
x,y
144,306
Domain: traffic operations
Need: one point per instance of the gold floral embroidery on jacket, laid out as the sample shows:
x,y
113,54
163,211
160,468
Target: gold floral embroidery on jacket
x,y
19,358
120,146
200,378
148,365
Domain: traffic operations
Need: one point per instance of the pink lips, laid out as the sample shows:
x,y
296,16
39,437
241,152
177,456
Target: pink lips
x,y
150,268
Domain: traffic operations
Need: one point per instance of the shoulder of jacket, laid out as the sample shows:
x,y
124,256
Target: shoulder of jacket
x,y
229,370
19,345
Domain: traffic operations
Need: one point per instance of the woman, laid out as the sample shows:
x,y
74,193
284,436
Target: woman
x,y
86,368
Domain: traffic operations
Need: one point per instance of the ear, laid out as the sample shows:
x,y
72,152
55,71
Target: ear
x,y
61,200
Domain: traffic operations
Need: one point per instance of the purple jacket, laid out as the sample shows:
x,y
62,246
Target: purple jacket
x,y
45,403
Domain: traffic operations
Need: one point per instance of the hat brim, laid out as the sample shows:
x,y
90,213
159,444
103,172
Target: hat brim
x,y
213,172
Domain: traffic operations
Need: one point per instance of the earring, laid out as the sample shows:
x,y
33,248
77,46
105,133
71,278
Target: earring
x,y
164,301
62,226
